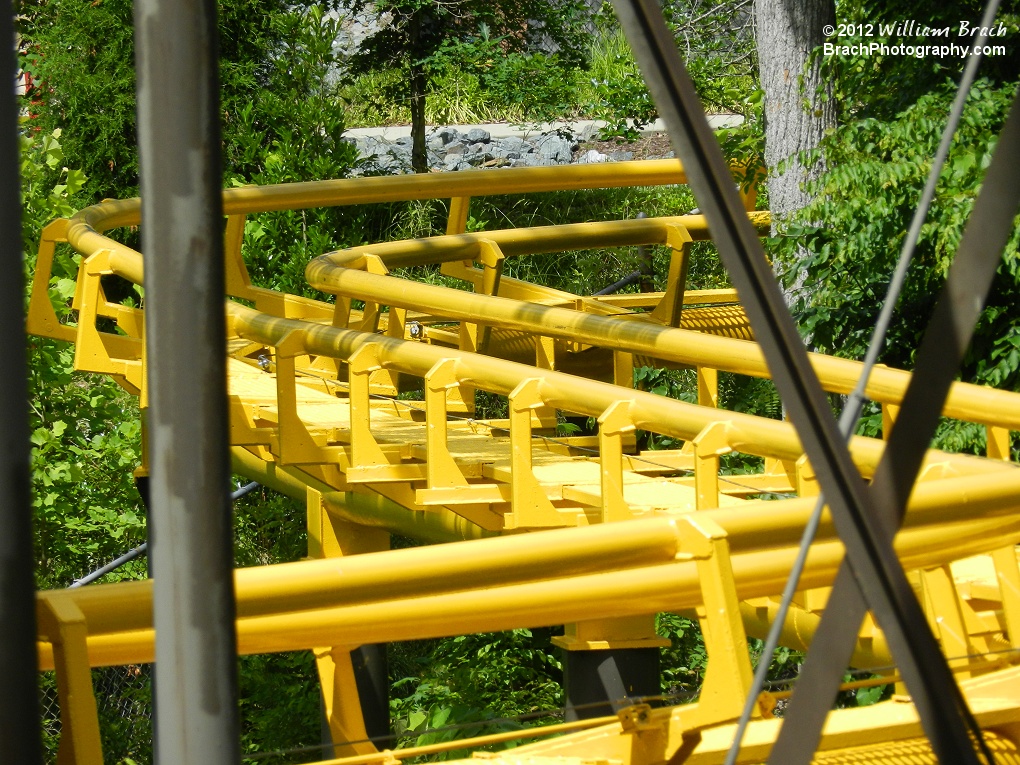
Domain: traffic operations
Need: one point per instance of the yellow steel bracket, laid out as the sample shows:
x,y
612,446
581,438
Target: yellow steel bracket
x,y
947,615
446,483
623,369
384,381
531,506
342,312
116,355
365,450
998,442
728,678
238,282
805,480
369,460
614,424
297,446
546,349
387,381
42,318
708,387
545,358
456,222
62,623
611,633
474,337
889,414
711,443
370,313
1008,573
491,258
671,306
373,264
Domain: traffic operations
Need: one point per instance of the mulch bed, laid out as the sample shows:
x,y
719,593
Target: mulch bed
x,y
649,146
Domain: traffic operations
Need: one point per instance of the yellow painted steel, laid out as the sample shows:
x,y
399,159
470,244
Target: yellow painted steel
x,y
314,414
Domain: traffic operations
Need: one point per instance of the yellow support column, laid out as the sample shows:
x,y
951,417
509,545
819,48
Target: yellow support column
x,y
353,679
63,624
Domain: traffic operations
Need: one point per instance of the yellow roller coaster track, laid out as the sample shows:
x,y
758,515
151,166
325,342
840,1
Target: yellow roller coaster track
x,y
315,413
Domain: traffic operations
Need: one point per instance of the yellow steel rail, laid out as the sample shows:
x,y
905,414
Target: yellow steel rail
x,y
308,417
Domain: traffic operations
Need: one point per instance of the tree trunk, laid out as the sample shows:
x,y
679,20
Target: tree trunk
x,y
419,156
797,112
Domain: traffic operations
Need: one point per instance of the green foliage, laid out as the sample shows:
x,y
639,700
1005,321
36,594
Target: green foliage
x,y
268,528
866,199
305,143
279,707
80,55
521,85
683,663
467,31
48,188
718,50
473,685
862,82
752,395
86,439
587,271
618,93
85,431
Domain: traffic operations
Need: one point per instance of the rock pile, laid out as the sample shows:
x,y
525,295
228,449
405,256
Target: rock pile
x,y
450,149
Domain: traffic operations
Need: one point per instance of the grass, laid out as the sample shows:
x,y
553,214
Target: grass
x,y
536,88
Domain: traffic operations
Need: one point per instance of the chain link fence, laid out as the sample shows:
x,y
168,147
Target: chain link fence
x,y
124,702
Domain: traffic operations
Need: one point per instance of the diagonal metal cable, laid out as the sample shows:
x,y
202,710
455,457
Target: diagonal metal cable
x,y
859,516
852,408
143,548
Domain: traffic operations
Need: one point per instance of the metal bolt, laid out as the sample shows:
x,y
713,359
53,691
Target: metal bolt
x,y
264,362
415,330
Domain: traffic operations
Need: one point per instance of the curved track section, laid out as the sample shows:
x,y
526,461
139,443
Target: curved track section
x,y
316,412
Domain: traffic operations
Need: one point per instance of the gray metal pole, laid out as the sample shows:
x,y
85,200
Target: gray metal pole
x,y
193,598
19,699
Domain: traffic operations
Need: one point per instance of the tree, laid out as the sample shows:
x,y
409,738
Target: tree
x,y
797,105
412,33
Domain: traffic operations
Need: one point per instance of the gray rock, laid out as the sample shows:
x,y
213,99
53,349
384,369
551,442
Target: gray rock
x,y
368,144
478,158
621,156
513,143
457,147
446,135
477,135
529,160
592,157
555,149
